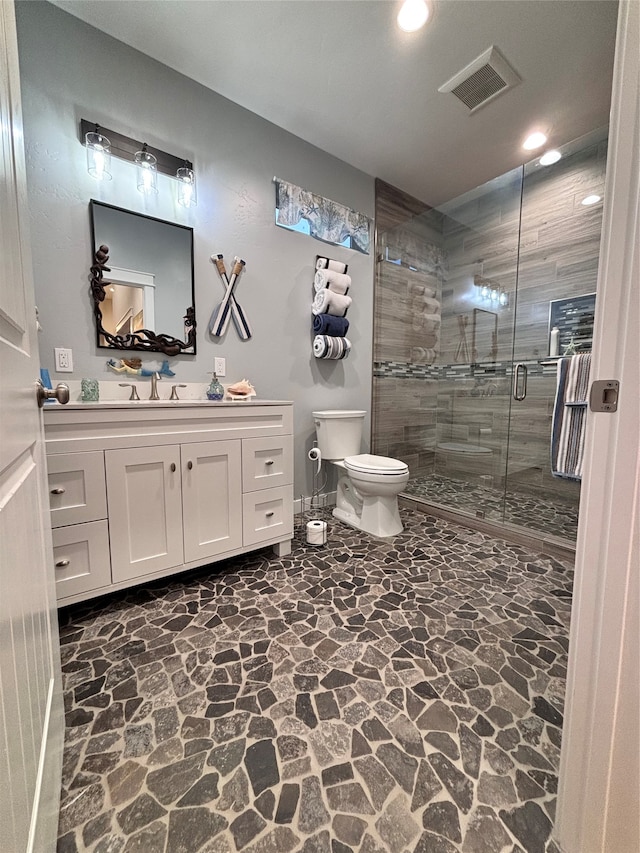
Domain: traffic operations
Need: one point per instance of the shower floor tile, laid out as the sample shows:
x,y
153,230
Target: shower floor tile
x,y
371,695
547,515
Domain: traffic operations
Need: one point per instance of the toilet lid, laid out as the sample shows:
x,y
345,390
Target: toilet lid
x,y
369,464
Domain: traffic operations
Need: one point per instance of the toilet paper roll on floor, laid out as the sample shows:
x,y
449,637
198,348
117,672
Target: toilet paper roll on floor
x,y
317,532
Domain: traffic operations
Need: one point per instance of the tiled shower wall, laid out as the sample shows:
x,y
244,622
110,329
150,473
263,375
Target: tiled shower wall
x,y
462,391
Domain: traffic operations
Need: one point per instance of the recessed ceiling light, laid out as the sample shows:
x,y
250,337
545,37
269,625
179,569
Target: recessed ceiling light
x,y
550,157
413,15
591,199
534,140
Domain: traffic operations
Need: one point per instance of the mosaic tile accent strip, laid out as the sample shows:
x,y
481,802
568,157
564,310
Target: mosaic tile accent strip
x,y
549,515
369,696
410,370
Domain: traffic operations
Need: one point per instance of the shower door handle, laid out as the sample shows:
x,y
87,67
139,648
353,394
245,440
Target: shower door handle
x,y
517,394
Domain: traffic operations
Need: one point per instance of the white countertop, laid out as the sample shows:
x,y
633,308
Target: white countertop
x,y
159,404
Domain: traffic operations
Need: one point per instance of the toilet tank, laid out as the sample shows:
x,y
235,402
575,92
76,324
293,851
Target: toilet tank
x,y
339,432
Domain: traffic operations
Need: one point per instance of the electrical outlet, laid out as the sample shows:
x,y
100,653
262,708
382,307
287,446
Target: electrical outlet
x,y
220,366
64,360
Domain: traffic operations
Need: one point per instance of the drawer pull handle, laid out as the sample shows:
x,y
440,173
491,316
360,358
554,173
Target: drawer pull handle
x,y
190,465
58,491
172,467
60,564
269,462
269,514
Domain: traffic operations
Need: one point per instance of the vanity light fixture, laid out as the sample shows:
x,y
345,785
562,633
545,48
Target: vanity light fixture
x,y
98,154
146,171
413,15
534,140
186,185
102,143
550,157
491,291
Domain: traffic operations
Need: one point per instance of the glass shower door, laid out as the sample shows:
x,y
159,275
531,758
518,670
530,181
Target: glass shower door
x,y
557,272
443,343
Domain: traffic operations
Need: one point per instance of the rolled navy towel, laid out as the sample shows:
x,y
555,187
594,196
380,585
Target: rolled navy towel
x,y
327,324
335,281
328,302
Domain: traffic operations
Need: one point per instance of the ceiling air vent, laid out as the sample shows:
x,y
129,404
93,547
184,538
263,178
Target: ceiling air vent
x,y
482,80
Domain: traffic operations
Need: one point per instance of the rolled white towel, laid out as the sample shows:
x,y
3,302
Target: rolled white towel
x,y
327,263
328,302
336,281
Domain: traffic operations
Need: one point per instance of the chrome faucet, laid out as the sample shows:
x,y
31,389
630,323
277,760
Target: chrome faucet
x,y
154,386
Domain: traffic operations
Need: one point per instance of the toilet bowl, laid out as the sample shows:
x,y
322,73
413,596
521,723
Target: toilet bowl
x,y
368,485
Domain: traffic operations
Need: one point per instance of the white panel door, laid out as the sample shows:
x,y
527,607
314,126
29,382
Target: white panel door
x,y
145,510
212,498
31,714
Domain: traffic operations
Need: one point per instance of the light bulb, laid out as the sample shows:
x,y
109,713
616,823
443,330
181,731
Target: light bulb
x,y
590,199
534,140
146,171
550,157
485,292
413,15
504,299
494,295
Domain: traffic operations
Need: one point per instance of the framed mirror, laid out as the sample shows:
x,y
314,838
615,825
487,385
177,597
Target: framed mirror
x,y
142,282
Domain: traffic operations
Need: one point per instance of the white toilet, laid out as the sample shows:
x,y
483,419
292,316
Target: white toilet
x,y
368,486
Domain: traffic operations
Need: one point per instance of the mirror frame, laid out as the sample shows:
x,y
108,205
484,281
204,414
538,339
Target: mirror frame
x,y
145,339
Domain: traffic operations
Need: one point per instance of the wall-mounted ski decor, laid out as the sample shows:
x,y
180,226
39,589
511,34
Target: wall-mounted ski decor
x,y
329,308
300,210
229,306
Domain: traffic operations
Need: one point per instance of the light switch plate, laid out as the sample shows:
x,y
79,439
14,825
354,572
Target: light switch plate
x,y
220,366
64,360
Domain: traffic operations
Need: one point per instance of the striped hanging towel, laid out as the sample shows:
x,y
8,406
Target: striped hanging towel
x,y
570,416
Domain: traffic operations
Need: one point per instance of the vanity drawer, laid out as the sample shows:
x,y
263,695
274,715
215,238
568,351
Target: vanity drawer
x,y
267,515
77,491
81,558
266,463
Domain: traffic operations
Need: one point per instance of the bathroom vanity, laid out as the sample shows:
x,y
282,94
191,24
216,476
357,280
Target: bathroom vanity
x,y
139,491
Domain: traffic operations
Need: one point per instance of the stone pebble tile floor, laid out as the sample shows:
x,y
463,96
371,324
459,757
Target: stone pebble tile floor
x,y
371,695
549,514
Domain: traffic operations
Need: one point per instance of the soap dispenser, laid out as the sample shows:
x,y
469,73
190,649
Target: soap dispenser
x,y
215,391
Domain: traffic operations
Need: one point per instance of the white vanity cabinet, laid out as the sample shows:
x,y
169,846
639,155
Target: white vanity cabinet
x,y
141,491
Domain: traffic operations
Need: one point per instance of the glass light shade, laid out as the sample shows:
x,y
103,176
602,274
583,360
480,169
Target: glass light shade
x,y
186,187
485,292
146,172
98,156
413,15
494,295
504,299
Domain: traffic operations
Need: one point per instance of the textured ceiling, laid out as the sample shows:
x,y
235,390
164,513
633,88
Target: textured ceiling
x,y
340,74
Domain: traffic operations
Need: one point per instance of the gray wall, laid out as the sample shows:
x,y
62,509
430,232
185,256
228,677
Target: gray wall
x,y
72,71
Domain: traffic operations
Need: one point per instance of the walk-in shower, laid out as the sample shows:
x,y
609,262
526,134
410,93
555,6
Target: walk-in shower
x,y
474,302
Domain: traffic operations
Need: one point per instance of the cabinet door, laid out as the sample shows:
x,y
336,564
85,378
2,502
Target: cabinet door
x,y
212,498
267,463
81,558
145,510
76,487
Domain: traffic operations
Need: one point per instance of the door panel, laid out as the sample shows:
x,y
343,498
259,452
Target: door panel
x,y
212,496
31,714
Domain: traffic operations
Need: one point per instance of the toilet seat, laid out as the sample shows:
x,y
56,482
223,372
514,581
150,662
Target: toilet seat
x,y
367,463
